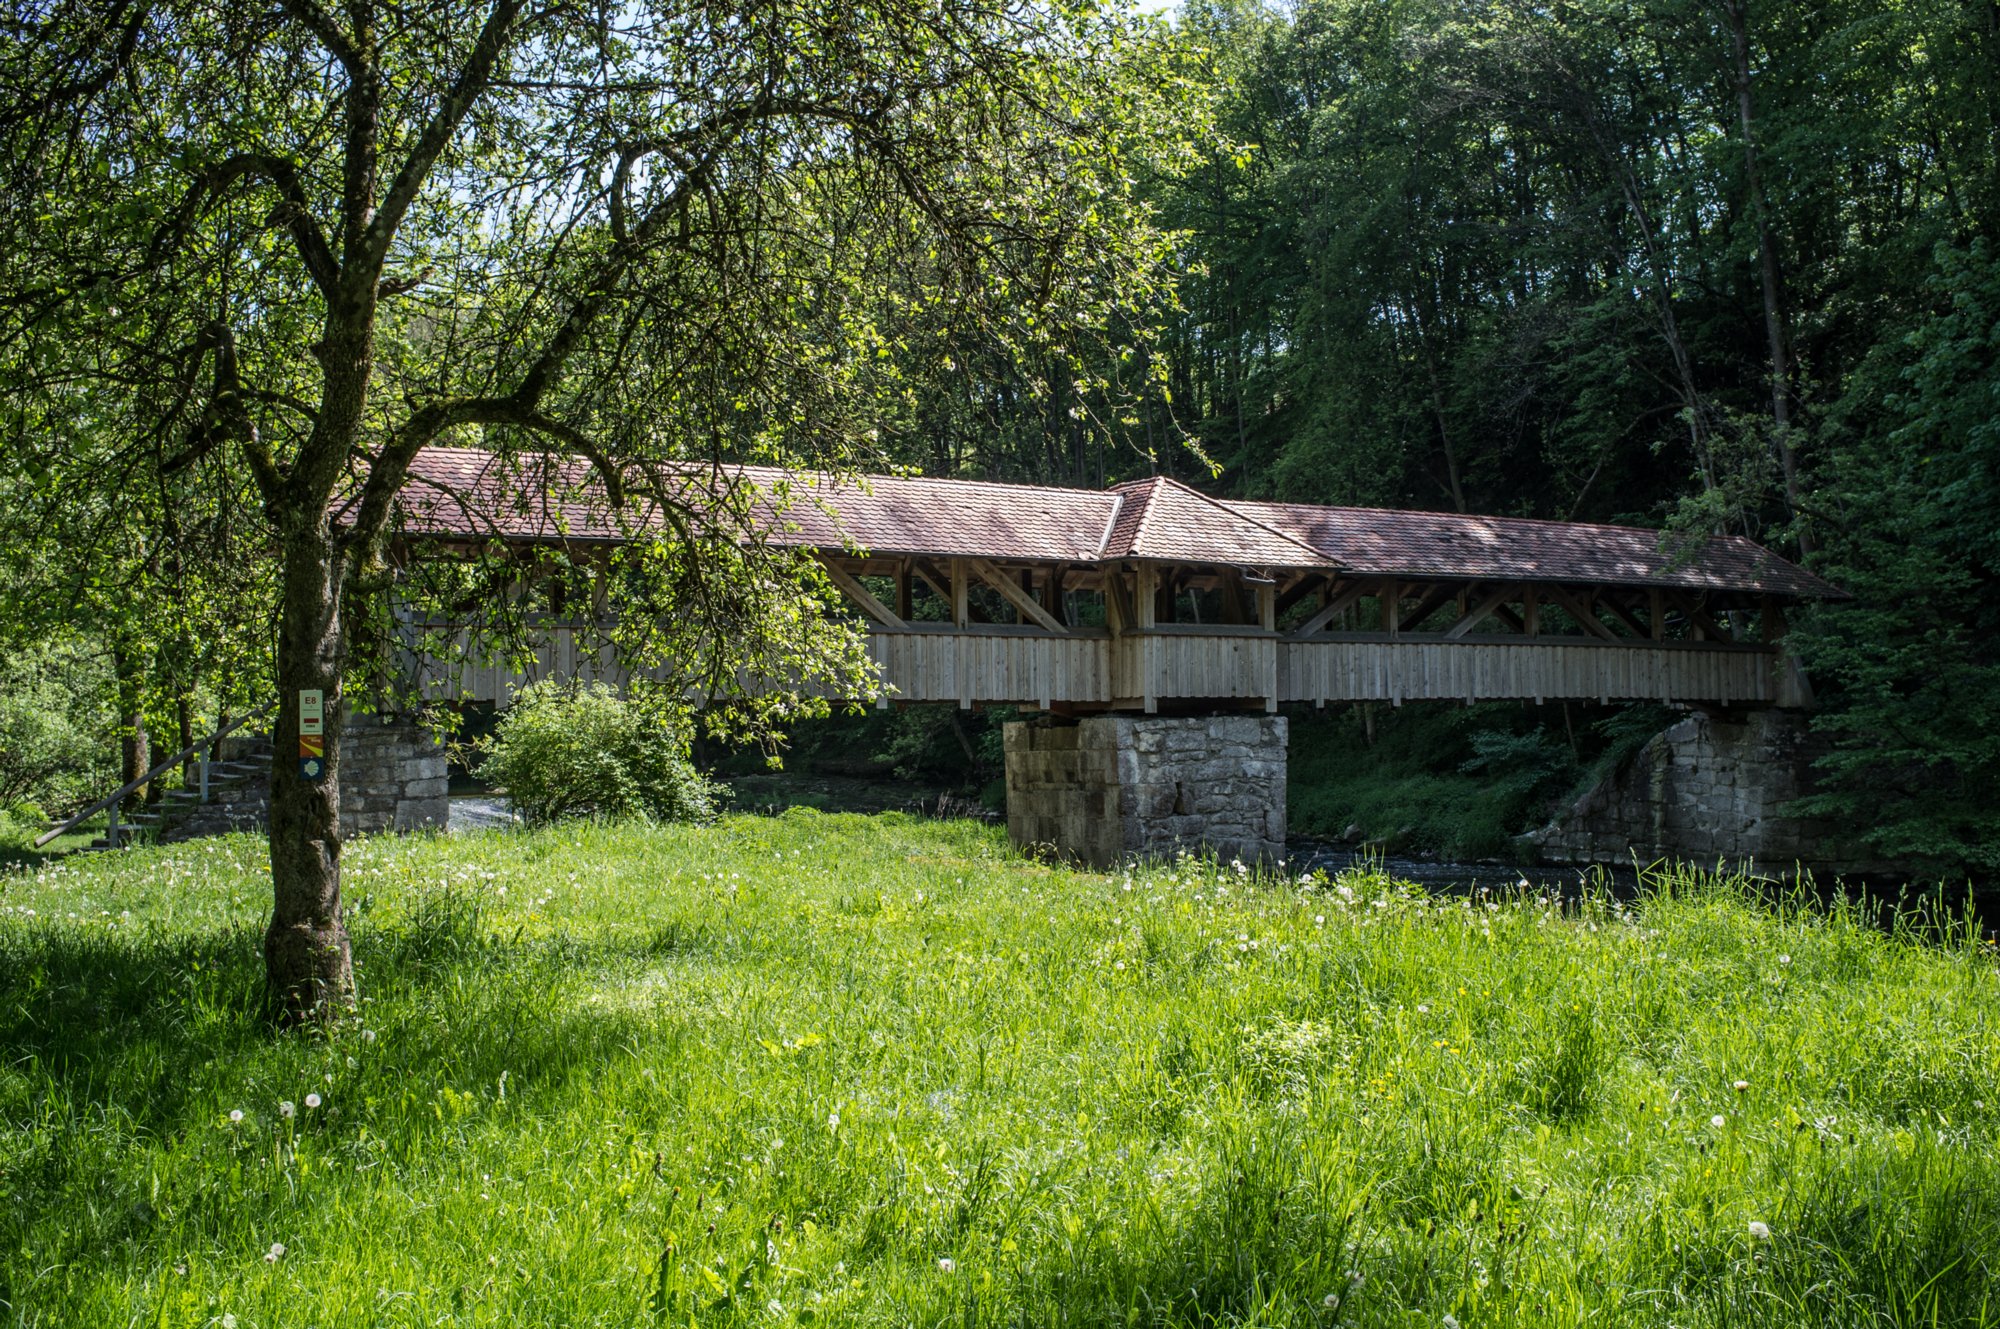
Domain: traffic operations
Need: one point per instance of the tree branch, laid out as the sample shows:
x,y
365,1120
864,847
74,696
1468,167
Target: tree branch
x,y
321,25
292,211
472,80
388,468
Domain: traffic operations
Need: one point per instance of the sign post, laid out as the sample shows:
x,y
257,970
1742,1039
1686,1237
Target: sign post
x,y
312,734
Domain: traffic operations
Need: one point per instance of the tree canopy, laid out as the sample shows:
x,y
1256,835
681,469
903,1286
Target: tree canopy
x,y
287,246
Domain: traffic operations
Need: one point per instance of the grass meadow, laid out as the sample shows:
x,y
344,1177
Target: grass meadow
x,y
880,1071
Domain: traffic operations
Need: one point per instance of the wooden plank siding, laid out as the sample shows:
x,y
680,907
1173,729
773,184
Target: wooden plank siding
x,y
1095,669
1538,670
970,668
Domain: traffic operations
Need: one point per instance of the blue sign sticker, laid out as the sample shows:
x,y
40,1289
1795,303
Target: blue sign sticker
x,y
311,768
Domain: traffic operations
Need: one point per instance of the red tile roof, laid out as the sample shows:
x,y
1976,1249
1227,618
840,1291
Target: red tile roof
x,y
468,493
1376,542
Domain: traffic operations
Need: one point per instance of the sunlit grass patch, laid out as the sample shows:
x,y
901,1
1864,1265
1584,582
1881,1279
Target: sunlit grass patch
x,y
879,1070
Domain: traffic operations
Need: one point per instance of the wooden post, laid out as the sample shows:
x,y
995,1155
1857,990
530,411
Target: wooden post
x,y
961,594
1656,614
1531,612
903,594
1267,608
1392,611
1146,596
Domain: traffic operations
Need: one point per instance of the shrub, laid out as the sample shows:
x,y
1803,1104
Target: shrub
x,y
58,742
566,751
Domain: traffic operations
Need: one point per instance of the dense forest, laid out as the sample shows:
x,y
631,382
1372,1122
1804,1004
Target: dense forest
x,y
1715,265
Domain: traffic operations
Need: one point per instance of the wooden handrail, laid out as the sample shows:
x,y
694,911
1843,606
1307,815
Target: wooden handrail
x,y
157,771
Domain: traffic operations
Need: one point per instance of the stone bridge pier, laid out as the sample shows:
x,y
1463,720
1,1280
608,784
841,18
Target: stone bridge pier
x,y
1106,789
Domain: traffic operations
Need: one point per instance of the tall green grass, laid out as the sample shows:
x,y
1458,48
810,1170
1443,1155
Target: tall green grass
x,y
877,1071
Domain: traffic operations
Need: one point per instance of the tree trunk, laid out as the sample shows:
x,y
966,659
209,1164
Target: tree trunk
x,y
309,972
1767,267
135,754
184,716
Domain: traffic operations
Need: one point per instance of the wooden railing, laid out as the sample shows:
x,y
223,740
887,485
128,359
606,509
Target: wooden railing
x,y
1007,664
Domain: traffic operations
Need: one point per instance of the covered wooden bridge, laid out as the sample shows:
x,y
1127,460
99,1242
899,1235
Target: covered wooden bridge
x,y
1152,597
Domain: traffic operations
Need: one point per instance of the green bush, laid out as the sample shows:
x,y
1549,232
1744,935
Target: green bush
x,y
58,740
567,751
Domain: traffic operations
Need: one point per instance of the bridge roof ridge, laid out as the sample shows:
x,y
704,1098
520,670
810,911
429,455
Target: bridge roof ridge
x,y
1186,532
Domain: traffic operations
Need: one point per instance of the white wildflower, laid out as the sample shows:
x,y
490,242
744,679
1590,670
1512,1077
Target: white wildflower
x,y
1761,1231
946,1265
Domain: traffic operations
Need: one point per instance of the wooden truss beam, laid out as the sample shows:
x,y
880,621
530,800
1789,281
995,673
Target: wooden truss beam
x,y
1480,612
1700,617
1626,616
1339,604
1579,609
1011,591
863,598
1429,605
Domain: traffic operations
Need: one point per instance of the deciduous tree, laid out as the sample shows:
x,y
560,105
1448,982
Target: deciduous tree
x,y
300,241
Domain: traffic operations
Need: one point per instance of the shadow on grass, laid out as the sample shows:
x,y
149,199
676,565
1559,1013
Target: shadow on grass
x,y
157,1027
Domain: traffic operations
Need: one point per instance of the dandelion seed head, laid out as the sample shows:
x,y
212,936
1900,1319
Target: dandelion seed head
x,y
1761,1231
1718,1121
276,1253
236,1114
286,1110
946,1265
312,1100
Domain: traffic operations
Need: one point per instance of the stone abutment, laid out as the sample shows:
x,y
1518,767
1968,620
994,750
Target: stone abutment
x,y
1708,791
1111,788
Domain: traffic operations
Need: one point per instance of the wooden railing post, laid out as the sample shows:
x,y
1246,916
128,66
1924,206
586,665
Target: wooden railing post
x,y
111,825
